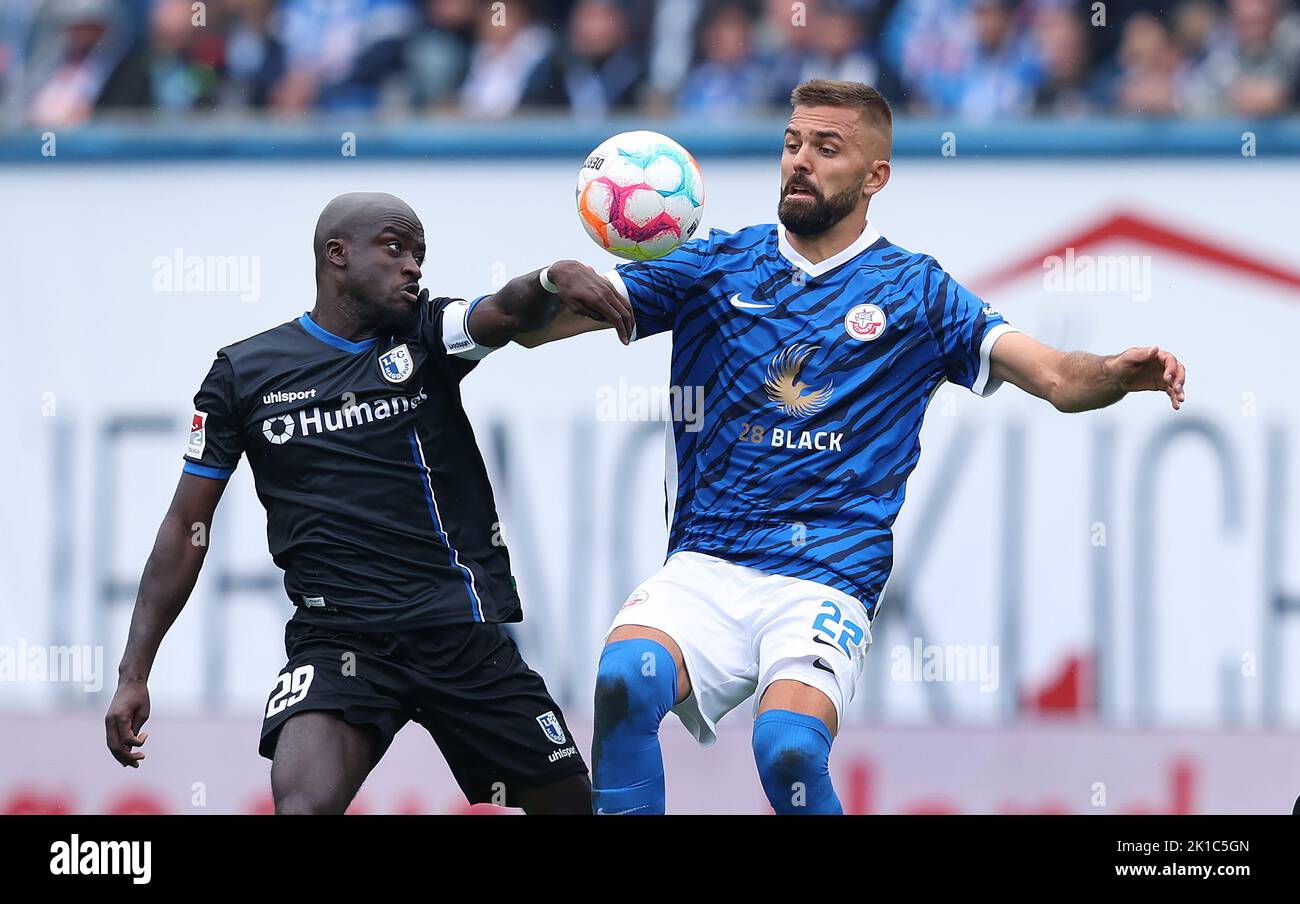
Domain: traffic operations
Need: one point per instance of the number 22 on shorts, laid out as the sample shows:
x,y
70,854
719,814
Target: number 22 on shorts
x,y
826,622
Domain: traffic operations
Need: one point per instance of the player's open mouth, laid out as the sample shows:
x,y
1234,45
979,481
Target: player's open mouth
x,y
798,191
411,293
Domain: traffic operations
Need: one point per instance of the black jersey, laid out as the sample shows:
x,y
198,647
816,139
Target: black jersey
x,y
377,501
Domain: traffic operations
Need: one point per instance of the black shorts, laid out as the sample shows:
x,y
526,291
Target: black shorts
x,y
490,714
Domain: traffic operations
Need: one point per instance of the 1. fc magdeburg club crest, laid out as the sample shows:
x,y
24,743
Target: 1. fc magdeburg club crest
x,y
552,727
396,364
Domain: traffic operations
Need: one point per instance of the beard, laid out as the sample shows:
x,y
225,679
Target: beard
x,y
813,216
399,322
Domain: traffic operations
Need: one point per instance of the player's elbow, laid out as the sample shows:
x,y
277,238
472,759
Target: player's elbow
x,y
1055,388
183,536
531,339
1067,407
1068,402
1063,402
1058,400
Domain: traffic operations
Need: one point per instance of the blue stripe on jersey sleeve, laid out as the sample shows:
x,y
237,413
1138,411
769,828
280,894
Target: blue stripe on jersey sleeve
x,y
205,471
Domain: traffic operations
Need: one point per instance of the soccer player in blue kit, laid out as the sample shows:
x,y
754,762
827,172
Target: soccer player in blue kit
x,y
819,344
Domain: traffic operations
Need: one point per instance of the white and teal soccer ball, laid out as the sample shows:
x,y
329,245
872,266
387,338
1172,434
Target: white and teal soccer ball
x,y
640,195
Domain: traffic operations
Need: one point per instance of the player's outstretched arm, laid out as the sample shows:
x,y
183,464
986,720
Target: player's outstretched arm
x,y
165,586
525,306
566,324
1080,381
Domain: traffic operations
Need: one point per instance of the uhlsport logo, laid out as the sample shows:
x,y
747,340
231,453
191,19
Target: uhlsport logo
x,y
275,398
786,387
865,323
552,727
280,429
396,364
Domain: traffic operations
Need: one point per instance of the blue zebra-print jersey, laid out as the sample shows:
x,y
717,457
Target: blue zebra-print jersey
x,y
815,381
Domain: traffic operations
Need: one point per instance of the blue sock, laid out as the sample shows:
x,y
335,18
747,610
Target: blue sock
x,y
636,684
793,753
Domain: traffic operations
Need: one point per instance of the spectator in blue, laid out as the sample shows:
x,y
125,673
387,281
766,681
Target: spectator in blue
x,y
1067,88
1144,77
671,51
1002,70
924,42
509,66
832,44
15,28
1195,23
729,79
1253,68
785,43
599,69
437,57
255,60
965,56
340,53
183,59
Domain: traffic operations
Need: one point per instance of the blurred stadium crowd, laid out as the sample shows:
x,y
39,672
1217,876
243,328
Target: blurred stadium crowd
x,y
65,61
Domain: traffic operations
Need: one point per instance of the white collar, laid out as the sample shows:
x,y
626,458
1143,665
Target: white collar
x,y
860,244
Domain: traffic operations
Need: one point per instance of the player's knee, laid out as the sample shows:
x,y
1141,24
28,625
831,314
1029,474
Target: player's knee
x,y
792,752
786,752
567,797
636,679
304,802
636,682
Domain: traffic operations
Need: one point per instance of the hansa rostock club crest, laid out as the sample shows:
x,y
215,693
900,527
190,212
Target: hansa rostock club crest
x,y
866,322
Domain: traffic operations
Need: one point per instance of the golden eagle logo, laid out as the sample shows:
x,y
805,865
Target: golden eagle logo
x,y
784,386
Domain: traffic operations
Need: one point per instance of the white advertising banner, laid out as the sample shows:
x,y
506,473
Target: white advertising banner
x,y
1136,563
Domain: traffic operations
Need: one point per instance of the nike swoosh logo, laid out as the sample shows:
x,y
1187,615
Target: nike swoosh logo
x,y
819,639
821,664
600,812
737,303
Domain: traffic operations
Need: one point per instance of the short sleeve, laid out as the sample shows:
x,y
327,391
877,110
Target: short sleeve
x,y
444,333
216,435
965,328
655,288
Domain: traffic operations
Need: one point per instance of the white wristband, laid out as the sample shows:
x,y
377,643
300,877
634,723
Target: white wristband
x,y
545,279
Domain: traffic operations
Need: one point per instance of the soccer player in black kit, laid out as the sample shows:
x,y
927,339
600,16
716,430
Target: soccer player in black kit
x,y
380,513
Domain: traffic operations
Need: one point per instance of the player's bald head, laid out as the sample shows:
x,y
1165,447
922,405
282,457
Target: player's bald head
x,y
358,214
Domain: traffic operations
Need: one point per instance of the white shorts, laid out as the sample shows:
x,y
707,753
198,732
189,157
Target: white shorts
x,y
740,629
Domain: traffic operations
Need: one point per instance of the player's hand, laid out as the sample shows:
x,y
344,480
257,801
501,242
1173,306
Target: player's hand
x,y
1149,368
586,292
126,714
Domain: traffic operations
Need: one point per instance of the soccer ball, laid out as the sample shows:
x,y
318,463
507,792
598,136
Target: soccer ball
x,y
640,195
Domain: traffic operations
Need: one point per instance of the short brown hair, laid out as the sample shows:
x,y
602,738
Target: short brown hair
x,y
824,92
